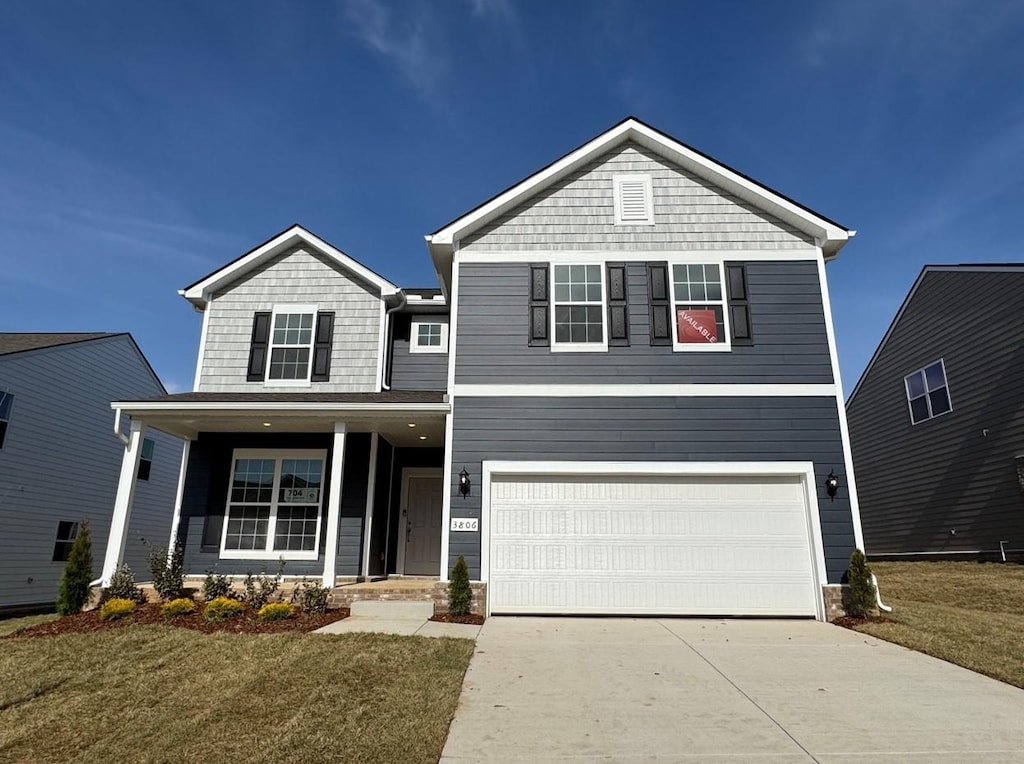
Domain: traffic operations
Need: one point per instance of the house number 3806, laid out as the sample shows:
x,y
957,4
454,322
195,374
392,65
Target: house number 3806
x,y
465,524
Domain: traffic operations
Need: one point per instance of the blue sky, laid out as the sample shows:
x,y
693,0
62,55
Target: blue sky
x,y
143,145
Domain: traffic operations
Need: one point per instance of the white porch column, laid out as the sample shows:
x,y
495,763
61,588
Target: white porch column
x,y
123,501
178,496
334,503
371,489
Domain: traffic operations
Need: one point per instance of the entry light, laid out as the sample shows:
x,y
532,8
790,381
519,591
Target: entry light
x,y
412,424
266,424
831,485
464,483
423,437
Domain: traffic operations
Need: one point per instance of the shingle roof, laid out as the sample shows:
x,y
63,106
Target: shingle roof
x,y
18,342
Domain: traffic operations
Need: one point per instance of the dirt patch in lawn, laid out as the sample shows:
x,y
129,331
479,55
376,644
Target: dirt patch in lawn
x,y
475,620
247,623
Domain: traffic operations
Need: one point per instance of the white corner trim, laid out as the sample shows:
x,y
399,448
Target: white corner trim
x,y
449,421
337,478
201,357
560,257
645,391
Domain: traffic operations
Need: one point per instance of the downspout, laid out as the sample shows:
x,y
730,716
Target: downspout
x,y
878,597
385,372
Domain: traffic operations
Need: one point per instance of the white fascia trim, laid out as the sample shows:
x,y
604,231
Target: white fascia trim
x,y
562,257
628,130
257,407
198,294
202,346
644,391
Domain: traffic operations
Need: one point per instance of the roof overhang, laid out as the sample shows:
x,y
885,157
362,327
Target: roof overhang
x,y
828,234
200,292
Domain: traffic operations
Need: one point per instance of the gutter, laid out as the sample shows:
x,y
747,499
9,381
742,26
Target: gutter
x,y
385,372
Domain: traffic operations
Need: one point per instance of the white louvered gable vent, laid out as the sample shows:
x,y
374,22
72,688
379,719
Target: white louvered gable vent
x,y
633,203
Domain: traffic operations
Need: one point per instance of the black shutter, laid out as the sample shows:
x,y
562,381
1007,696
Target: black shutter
x,y
322,347
258,347
618,307
739,304
539,306
660,305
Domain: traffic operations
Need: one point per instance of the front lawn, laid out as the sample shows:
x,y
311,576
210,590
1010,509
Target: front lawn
x,y
968,613
158,693
12,625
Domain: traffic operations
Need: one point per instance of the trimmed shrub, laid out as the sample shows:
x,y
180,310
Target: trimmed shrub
x,y
311,596
168,571
122,587
74,584
116,608
460,594
862,588
259,590
180,606
221,608
216,586
276,611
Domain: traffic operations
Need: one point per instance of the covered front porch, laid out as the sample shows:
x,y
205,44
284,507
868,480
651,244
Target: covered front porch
x,y
338,487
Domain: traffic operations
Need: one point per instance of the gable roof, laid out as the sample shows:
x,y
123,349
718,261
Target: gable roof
x,y
955,268
831,234
198,292
19,342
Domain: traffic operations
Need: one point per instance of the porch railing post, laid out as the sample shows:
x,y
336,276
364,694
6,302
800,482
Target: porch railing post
x,y
334,503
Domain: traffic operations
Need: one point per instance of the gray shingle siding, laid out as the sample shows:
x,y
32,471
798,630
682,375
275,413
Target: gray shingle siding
x,y
651,429
61,461
416,371
919,483
790,340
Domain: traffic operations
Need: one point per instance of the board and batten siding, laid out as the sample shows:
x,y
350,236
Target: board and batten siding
x,y
416,371
786,313
299,276
578,213
957,472
702,429
61,462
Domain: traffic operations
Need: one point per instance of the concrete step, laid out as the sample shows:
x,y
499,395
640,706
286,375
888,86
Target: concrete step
x,y
392,610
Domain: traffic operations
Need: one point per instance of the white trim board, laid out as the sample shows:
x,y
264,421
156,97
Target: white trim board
x,y
645,391
561,257
261,407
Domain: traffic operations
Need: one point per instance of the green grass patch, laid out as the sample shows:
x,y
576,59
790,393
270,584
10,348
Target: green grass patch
x,y
148,692
12,625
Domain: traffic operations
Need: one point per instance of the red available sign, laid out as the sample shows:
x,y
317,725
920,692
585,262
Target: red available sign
x,y
696,326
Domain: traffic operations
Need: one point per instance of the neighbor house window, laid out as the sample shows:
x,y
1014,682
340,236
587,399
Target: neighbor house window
x,y
927,392
633,200
6,403
66,534
698,302
291,344
274,505
579,307
429,337
146,460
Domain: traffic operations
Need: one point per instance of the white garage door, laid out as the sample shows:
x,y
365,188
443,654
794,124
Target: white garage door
x,y
650,545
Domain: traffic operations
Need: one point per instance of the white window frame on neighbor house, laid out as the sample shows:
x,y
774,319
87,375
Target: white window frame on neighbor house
x,y
579,347
414,337
148,450
288,310
618,181
927,392
6,408
268,552
723,303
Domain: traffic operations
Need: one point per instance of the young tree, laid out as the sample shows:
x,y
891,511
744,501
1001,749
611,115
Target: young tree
x,y
460,594
862,588
74,585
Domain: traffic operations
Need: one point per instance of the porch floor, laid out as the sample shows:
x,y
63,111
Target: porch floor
x,y
394,584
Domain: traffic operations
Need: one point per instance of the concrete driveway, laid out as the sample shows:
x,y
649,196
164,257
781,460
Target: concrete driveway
x,y
558,689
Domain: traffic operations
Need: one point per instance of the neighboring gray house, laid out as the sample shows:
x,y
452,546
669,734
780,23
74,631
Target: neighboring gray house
x,y
625,398
937,420
60,457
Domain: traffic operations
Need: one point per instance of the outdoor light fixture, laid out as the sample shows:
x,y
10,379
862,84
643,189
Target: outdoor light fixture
x,y
412,424
831,485
464,483
266,424
423,437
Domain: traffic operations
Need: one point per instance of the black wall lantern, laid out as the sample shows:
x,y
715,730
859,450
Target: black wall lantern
x,y
831,485
464,483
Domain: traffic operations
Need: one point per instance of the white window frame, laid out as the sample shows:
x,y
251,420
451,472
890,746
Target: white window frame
x,y
268,553
617,181
286,310
414,336
692,347
7,397
143,458
928,400
579,347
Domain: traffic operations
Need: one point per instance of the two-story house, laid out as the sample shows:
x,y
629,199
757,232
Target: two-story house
x,y
625,398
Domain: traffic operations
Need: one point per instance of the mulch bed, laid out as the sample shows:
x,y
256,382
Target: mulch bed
x,y
475,620
247,623
849,622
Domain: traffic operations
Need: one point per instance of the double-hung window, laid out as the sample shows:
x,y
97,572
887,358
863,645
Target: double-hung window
x,y
698,302
67,532
274,503
579,310
146,458
291,344
6,404
927,392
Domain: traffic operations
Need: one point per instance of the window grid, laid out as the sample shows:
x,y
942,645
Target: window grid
x,y
429,335
697,287
579,305
291,346
928,392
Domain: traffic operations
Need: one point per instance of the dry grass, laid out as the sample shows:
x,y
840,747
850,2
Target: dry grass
x,y
11,625
155,693
971,614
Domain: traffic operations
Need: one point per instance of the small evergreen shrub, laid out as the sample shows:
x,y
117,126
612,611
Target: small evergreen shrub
x,y
180,606
122,586
221,608
259,590
168,571
311,596
117,608
460,594
74,584
215,586
862,588
276,611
